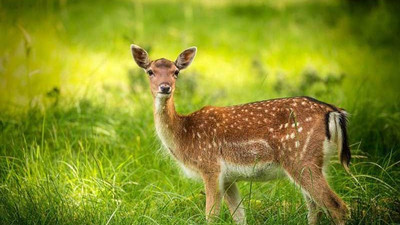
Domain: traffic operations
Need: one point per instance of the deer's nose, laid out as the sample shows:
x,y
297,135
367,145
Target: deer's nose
x,y
165,88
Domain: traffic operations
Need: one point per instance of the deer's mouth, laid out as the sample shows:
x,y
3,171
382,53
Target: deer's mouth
x,y
164,94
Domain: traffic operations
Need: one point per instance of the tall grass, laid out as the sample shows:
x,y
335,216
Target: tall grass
x,y
87,163
77,139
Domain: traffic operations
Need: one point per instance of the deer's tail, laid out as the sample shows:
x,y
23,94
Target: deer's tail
x,y
337,130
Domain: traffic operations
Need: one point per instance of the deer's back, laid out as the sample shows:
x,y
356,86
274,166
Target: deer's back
x,y
267,131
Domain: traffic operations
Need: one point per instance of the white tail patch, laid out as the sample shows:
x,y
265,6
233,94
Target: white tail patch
x,y
335,142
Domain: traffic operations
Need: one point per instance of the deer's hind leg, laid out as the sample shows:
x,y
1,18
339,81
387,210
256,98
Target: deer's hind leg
x,y
313,183
314,211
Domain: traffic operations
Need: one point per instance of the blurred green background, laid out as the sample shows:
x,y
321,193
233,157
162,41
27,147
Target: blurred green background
x,y
77,137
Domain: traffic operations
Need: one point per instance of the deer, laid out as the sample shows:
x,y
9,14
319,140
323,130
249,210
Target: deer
x,y
292,137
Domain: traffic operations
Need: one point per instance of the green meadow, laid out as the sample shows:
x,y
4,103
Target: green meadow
x,y
77,137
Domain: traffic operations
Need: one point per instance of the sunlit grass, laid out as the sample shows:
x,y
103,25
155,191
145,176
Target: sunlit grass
x,y
93,164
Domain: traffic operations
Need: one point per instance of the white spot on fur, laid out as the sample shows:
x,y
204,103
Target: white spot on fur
x,y
309,134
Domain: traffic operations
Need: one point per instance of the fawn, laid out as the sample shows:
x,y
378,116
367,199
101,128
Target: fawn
x,y
257,141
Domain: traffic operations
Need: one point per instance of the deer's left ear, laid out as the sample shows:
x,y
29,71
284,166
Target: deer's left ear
x,y
185,58
140,56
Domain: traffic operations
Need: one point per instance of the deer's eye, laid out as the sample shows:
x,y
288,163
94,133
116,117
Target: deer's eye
x,y
176,73
150,72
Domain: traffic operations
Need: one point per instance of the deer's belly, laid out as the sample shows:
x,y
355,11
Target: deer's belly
x,y
189,172
256,172
247,152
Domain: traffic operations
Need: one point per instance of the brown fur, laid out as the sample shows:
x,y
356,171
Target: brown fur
x,y
287,132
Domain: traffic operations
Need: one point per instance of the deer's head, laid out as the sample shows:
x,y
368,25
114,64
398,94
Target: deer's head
x,y
162,72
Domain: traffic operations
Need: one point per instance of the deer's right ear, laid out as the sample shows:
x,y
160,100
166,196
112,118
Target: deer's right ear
x,y
140,56
185,58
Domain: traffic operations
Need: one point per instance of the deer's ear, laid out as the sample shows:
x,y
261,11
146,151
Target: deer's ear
x,y
140,56
185,58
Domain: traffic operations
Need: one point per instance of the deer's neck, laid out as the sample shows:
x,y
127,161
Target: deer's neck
x,y
168,123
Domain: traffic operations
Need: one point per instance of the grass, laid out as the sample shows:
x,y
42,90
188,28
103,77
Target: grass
x,y
89,164
77,139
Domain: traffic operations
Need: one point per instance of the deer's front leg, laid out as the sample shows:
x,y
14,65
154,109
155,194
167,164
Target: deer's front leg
x,y
234,202
213,194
